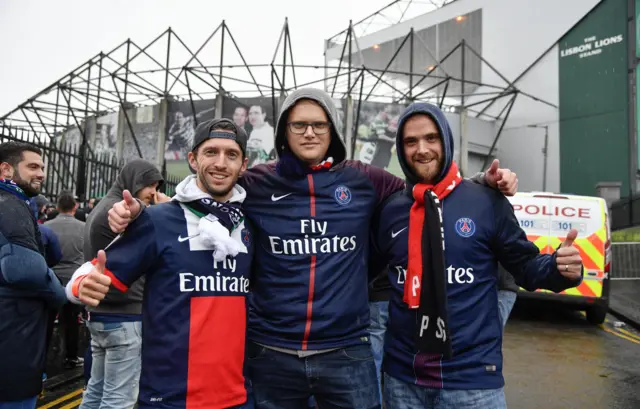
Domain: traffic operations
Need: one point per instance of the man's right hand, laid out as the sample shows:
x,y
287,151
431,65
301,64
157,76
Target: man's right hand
x,y
95,285
121,213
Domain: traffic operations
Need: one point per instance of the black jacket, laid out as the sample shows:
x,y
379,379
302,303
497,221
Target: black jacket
x,y
29,292
506,281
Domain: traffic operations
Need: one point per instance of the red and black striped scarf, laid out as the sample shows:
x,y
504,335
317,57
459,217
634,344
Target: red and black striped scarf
x,y
425,288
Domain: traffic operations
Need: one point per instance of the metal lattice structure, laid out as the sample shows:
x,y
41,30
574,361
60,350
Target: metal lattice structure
x,y
131,76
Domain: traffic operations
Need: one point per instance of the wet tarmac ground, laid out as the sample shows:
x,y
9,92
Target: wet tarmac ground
x,y
554,359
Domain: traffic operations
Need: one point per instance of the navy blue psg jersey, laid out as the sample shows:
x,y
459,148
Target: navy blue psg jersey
x,y
311,272
480,230
194,309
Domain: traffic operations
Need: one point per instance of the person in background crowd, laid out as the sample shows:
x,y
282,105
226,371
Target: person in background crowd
x,y
196,253
41,207
91,204
379,289
70,232
115,325
444,340
29,289
507,293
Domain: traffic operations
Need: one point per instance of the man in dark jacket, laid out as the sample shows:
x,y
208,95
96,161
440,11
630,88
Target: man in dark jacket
x,y
116,324
444,339
29,290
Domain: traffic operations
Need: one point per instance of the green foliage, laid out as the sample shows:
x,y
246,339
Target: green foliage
x,y
626,235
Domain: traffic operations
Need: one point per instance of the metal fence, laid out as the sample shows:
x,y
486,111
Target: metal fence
x,y
625,261
87,175
625,213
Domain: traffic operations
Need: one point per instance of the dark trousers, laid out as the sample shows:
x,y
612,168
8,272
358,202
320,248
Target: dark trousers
x,y
343,378
68,319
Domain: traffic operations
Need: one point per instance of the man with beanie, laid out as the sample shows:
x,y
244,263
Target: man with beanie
x,y
196,253
444,338
29,290
309,312
115,325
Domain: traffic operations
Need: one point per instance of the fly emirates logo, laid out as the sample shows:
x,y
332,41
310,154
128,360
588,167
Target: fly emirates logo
x,y
455,275
218,282
315,241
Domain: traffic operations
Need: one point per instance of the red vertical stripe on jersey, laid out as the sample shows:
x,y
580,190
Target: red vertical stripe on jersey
x,y
312,280
312,269
312,196
216,352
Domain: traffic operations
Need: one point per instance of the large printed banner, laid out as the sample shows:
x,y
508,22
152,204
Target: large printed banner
x,y
256,117
145,123
376,135
182,117
181,125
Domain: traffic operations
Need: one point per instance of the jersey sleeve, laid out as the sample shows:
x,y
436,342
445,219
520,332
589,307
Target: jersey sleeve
x,y
521,257
131,254
384,183
380,235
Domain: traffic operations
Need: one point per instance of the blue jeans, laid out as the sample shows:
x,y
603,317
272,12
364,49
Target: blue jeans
x,y
343,378
20,404
506,300
401,395
115,370
379,313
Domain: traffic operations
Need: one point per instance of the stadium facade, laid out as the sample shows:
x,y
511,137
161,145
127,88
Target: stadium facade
x,y
512,77
572,64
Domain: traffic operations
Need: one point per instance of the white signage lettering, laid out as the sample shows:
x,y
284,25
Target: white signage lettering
x,y
591,46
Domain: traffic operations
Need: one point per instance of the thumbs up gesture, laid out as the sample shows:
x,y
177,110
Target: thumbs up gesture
x,y
95,285
121,213
502,179
568,257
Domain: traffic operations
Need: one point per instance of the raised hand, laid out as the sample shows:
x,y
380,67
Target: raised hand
x,y
568,257
502,179
121,213
95,285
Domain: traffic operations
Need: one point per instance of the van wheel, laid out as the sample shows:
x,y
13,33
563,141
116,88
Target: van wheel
x,y
596,315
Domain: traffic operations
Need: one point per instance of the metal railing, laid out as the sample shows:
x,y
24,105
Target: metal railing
x,y
625,261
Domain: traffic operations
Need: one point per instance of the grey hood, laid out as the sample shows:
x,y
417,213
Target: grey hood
x,y
337,149
134,176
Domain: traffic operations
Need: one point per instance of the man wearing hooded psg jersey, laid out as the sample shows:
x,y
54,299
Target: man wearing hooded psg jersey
x,y
442,239
196,252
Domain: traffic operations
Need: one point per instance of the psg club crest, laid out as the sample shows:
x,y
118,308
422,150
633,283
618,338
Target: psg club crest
x,y
465,227
246,237
343,195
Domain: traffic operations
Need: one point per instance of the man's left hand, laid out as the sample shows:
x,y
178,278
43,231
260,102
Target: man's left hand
x,y
568,257
502,179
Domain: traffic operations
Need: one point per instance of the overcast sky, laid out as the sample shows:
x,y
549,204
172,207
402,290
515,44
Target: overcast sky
x,y
42,40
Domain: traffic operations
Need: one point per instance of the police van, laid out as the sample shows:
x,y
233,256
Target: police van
x,y
547,218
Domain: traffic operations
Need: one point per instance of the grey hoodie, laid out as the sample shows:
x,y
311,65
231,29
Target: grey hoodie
x,y
337,149
134,176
